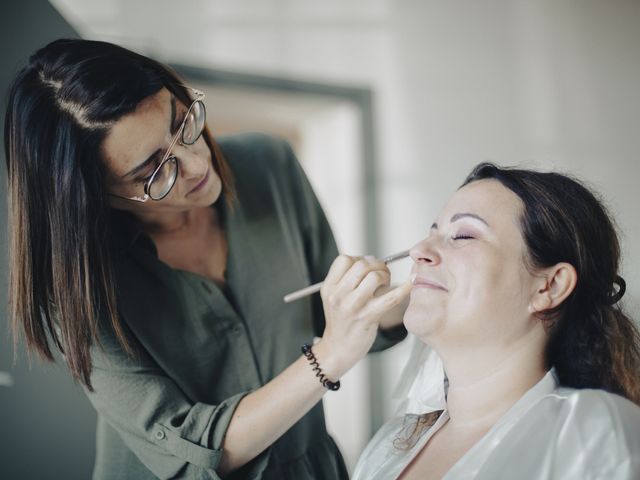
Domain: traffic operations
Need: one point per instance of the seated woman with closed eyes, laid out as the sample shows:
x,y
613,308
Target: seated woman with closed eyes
x,y
526,366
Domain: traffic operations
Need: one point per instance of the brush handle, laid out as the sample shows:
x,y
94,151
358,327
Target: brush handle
x,y
311,289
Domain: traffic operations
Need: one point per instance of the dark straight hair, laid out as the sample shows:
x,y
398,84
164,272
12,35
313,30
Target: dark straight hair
x,y
60,108
592,342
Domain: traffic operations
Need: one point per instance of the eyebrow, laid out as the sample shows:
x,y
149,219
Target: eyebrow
x,y
458,216
154,156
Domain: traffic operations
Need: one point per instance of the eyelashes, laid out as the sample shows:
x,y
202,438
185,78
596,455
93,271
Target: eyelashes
x,y
146,178
462,236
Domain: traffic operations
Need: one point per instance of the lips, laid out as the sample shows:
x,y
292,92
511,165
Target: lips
x,y
201,183
424,282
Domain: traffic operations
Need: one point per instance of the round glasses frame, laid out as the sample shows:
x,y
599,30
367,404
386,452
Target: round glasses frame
x,y
168,156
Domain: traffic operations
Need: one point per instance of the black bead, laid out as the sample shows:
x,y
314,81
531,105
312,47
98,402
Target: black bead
x,y
326,383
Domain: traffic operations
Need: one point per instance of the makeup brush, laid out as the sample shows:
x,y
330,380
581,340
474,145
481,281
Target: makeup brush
x,y
311,289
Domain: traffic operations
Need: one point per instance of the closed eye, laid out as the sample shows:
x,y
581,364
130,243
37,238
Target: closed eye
x,y
462,237
144,178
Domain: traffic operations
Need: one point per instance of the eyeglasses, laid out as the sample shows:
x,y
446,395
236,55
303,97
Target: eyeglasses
x,y
165,174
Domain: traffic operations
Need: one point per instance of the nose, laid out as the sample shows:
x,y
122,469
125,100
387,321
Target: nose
x,y
425,253
192,163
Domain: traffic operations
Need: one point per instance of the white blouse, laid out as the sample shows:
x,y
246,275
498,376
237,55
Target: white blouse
x,y
551,432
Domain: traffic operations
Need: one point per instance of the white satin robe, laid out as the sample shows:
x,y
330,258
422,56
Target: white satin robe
x,y
550,433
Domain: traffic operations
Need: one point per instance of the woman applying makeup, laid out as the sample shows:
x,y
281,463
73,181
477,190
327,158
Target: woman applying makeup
x,y
527,366
155,258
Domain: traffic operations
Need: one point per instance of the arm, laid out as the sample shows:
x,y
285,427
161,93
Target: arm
x,y
321,250
352,314
176,437
172,435
347,333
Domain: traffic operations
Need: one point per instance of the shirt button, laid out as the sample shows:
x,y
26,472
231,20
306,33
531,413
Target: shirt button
x,y
160,435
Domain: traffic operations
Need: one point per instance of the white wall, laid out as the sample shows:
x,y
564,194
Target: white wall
x,y
539,83
542,83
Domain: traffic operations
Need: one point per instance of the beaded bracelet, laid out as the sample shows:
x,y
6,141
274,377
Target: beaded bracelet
x,y
326,383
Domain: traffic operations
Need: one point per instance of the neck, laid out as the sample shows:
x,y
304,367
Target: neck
x,y
483,386
176,223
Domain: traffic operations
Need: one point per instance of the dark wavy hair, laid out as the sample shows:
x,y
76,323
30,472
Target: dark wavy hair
x,y
60,108
592,342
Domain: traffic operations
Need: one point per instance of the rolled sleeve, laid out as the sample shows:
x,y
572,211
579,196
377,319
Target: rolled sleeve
x,y
171,435
188,442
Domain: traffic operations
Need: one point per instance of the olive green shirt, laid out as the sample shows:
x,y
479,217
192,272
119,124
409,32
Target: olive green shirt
x,y
199,348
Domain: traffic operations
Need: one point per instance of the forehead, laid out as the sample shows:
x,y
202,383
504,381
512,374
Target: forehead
x,y
488,198
134,137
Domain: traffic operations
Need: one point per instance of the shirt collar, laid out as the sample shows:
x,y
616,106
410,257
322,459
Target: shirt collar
x,y
545,386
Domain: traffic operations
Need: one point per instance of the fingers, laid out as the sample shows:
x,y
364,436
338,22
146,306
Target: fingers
x,y
352,310
357,285
357,273
338,268
356,267
366,290
390,299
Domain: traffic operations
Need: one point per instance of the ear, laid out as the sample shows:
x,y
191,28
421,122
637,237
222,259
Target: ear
x,y
553,286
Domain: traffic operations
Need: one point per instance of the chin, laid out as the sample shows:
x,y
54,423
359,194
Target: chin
x,y
420,322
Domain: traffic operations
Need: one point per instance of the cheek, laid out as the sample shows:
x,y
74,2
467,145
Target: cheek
x,y
216,184
481,277
201,148
494,287
478,292
204,152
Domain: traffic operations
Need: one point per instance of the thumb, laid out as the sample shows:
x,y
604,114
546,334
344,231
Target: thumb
x,y
392,297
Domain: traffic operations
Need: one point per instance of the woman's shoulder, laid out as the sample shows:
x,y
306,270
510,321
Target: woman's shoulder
x,y
597,414
587,400
255,150
266,172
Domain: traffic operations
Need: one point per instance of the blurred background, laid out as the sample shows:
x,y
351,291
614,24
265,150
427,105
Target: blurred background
x,y
388,104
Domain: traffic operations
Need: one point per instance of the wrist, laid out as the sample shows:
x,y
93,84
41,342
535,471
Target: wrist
x,y
307,351
333,364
